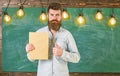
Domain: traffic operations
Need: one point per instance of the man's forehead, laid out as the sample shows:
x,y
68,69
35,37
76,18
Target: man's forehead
x,y
54,11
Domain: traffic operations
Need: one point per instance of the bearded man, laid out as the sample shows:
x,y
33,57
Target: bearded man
x,y
62,46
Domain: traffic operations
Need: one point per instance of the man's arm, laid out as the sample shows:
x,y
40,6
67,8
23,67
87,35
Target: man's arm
x,y
71,54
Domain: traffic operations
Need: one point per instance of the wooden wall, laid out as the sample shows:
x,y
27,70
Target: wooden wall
x,y
2,2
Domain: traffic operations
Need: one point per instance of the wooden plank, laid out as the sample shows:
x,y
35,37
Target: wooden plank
x,y
0,23
0,63
71,74
22,74
4,74
0,46
0,32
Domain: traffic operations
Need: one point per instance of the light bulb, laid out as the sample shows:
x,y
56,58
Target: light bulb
x,y
65,15
112,21
43,16
99,16
20,12
81,20
7,18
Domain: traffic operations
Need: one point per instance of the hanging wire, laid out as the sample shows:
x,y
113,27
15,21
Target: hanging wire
x,y
81,11
112,11
23,2
7,6
20,1
47,3
97,2
67,3
65,7
41,3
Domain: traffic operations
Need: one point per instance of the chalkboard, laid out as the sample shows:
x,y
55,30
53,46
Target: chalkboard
x,y
98,44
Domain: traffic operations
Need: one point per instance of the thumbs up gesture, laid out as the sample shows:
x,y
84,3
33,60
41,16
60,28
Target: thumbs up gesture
x,y
57,51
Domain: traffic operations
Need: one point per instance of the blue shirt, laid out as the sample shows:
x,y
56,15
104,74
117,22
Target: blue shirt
x,y
57,66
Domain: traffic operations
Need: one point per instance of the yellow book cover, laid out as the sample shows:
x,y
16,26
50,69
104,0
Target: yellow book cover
x,y
40,42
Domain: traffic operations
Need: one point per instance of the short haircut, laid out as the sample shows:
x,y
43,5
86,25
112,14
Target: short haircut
x,y
54,6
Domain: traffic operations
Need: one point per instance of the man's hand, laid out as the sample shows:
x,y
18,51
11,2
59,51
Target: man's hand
x,y
57,51
29,47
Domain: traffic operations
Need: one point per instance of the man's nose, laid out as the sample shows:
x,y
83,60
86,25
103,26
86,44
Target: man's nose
x,y
54,17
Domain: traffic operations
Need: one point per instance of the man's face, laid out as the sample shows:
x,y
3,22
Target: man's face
x,y
54,19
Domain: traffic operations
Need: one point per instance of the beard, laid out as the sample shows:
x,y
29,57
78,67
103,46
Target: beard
x,y
54,25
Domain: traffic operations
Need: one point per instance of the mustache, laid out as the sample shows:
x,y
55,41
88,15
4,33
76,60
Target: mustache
x,y
54,21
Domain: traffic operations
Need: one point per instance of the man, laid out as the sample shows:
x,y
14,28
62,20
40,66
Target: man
x,y
63,46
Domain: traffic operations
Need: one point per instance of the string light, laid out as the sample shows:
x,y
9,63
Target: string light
x,y
81,20
65,14
20,12
99,15
7,18
43,16
112,21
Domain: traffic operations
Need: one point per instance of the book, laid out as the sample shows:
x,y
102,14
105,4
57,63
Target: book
x,y
40,41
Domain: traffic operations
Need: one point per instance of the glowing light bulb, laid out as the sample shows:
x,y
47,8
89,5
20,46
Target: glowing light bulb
x,y
65,15
43,16
99,15
81,20
7,18
20,12
112,21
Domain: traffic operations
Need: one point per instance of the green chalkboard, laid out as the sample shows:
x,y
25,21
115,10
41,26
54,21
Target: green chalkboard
x,y
98,44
